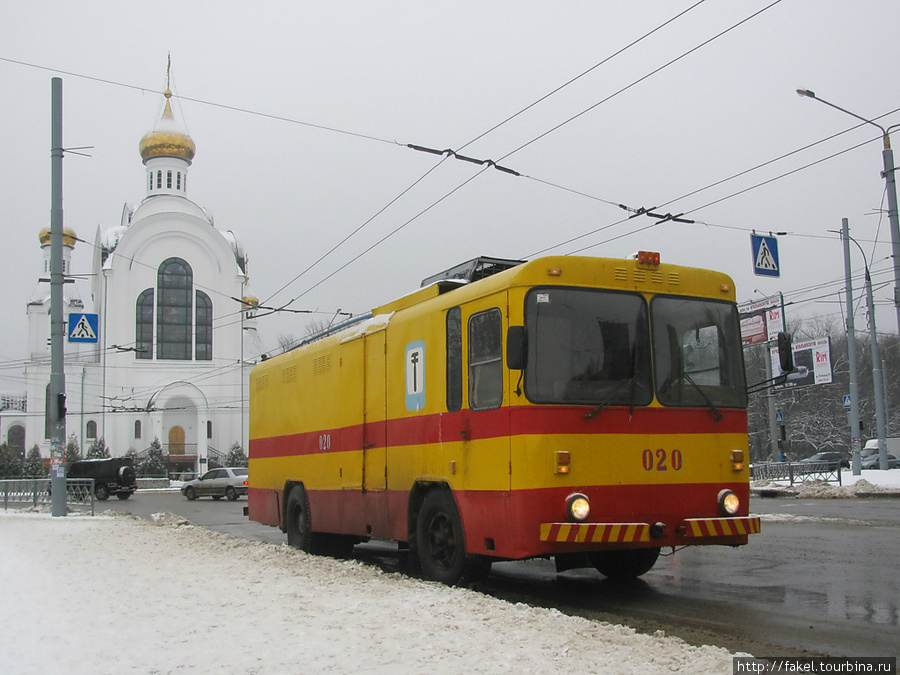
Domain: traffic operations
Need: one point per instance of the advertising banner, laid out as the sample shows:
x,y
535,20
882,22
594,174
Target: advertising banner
x,y
812,364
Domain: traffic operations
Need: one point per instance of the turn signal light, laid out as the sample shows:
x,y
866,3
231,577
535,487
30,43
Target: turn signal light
x,y
562,461
737,460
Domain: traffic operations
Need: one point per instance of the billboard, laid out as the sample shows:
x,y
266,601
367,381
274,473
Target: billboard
x,y
812,364
761,321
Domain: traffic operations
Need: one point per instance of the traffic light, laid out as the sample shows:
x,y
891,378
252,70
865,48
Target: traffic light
x,y
60,406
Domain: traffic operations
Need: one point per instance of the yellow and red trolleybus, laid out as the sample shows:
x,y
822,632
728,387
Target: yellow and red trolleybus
x,y
589,409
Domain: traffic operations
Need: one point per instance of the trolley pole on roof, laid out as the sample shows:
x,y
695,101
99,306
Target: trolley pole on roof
x,y
56,401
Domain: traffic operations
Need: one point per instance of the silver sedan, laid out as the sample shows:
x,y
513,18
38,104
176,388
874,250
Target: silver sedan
x,y
230,482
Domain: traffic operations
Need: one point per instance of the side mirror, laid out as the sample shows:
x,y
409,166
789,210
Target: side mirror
x,y
516,348
785,352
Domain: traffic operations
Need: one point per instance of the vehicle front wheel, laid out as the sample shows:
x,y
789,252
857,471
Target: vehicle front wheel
x,y
101,492
190,493
441,542
625,564
123,495
230,493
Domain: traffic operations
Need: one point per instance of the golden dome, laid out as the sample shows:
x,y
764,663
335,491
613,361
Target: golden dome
x,y
250,301
166,139
69,237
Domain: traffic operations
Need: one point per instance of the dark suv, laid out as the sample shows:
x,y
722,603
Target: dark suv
x,y
113,476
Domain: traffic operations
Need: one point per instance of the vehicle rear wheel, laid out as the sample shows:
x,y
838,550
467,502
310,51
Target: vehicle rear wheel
x,y
101,492
299,534
625,564
441,542
123,495
190,493
230,493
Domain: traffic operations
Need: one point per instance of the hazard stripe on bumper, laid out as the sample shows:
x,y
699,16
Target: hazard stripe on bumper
x,y
592,533
722,527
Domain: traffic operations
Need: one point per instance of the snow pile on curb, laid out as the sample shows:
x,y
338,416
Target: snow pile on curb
x,y
123,595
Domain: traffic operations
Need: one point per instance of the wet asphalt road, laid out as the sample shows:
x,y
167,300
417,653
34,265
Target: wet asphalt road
x,y
822,578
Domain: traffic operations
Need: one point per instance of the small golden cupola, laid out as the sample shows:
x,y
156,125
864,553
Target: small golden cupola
x,y
167,151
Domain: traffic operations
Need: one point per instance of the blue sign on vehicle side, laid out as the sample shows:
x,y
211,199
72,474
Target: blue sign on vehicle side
x,y
415,375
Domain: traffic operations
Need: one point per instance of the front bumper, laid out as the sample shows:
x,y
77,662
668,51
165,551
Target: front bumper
x,y
624,533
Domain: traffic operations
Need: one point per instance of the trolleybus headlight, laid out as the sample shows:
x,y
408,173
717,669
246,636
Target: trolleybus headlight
x,y
579,507
729,503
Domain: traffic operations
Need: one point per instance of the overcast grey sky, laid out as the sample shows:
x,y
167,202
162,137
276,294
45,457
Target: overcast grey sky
x,y
440,75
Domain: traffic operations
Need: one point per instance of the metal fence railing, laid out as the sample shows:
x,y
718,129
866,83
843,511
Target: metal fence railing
x,y
36,492
797,472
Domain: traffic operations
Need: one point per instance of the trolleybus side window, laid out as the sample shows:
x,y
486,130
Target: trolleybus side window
x,y
485,360
697,349
587,346
454,360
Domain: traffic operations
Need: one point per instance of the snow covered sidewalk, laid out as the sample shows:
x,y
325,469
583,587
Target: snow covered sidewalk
x,y
121,595
872,483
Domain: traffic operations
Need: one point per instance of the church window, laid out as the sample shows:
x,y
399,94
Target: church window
x,y
137,428
91,430
209,429
203,328
178,181
169,180
174,310
151,180
15,439
158,179
143,334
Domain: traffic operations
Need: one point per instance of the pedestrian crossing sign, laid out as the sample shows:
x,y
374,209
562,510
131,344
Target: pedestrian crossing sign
x,y
765,255
83,327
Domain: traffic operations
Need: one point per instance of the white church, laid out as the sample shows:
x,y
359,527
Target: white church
x,y
175,327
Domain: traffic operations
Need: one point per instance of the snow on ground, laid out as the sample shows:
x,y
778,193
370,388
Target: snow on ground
x,y
114,594
870,482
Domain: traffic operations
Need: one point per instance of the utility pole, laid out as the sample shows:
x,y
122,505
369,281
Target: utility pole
x,y
855,442
878,384
56,401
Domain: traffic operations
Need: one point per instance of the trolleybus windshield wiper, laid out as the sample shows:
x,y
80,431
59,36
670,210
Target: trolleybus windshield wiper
x,y
635,376
707,399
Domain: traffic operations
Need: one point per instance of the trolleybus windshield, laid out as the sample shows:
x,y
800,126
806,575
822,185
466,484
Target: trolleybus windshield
x,y
697,353
588,346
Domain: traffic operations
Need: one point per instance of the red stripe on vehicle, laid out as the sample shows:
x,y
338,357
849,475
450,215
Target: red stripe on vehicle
x,y
518,421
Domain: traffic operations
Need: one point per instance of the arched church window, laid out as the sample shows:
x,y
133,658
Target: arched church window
x,y
137,428
174,310
143,333
178,181
159,179
151,182
169,180
203,328
15,439
90,430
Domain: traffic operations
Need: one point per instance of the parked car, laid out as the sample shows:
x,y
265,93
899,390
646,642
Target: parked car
x,y
873,462
841,458
229,481
112,476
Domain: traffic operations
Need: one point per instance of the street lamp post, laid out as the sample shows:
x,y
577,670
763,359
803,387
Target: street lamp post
x,y
887,156
877,382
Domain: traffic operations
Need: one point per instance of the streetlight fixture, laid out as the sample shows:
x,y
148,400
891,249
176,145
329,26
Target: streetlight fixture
x,y
887,156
